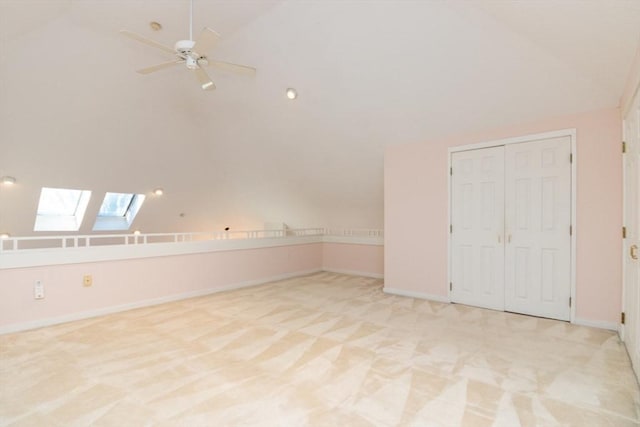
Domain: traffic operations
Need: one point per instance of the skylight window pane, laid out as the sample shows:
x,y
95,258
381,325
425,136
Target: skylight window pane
x,y
115,204
61,209
58,201
118,211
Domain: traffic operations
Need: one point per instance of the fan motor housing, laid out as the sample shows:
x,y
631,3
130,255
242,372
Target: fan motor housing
x,y
184,46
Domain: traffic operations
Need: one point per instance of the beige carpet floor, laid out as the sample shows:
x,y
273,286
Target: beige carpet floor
x,y
319,350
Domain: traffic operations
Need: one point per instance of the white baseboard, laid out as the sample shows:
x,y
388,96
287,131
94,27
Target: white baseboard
x,y
412,294
354,273
18,327
612,326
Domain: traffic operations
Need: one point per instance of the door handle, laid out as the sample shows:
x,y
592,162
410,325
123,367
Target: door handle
x,y
633,251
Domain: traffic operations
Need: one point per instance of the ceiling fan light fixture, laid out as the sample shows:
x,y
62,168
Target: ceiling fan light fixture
x,y
192,64
292,93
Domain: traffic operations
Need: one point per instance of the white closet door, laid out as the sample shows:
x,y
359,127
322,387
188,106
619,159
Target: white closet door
x,y
632,242
477,207
537,221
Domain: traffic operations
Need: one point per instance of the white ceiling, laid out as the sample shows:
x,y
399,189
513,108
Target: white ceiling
x,y
73,113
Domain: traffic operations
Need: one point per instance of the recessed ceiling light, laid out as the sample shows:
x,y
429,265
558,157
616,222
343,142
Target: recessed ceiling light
x,y
136,232
4,236
155,26
158,191
292,93
8,180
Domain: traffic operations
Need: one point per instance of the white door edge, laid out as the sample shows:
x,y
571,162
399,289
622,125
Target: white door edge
x,y
629,333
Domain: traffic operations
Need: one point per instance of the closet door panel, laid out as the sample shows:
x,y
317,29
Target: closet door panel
x,y
537,221
477,207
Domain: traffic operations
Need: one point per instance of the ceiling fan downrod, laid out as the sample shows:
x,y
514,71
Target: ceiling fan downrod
x,y
191,21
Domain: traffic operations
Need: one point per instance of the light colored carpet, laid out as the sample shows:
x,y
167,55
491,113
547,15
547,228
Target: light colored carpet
x,y
319,350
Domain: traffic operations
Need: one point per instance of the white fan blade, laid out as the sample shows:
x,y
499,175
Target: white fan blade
x,y
236,68
147,41
204,79
160,66
207,41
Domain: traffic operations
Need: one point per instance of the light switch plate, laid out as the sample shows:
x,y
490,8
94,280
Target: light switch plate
x,y
38,289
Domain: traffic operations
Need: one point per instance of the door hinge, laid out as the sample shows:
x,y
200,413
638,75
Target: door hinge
x,y
451,228
571,230
624,232
571,158
569,301
622,317
624,147
450,286
451,171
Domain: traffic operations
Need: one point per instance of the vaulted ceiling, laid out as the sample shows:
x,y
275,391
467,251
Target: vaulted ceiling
x,y
74,114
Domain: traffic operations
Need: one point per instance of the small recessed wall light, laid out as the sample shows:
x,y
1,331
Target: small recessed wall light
x,y
136,232
158,191
5,236
292,93
8,180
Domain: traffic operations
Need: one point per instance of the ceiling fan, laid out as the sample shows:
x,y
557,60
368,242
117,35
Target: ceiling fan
x,y
191,53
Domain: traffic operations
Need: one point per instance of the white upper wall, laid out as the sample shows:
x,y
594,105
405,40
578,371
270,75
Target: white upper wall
x,y
73,113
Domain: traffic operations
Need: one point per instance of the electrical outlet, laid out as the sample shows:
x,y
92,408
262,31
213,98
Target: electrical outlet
x,y
38,290
87,280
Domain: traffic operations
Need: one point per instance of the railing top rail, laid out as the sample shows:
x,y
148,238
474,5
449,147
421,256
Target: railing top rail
x,y
69,241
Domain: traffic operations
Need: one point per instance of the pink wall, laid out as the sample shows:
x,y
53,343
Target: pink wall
x,y
128,282
416,200
355,259
125,282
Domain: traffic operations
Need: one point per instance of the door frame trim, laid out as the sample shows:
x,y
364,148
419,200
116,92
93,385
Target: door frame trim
x,y
571,133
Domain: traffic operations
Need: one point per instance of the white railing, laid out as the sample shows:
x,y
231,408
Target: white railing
x,y
13,244
354,232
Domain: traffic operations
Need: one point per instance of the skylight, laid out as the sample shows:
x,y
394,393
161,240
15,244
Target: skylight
x,y
115,204
61,209
118,211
